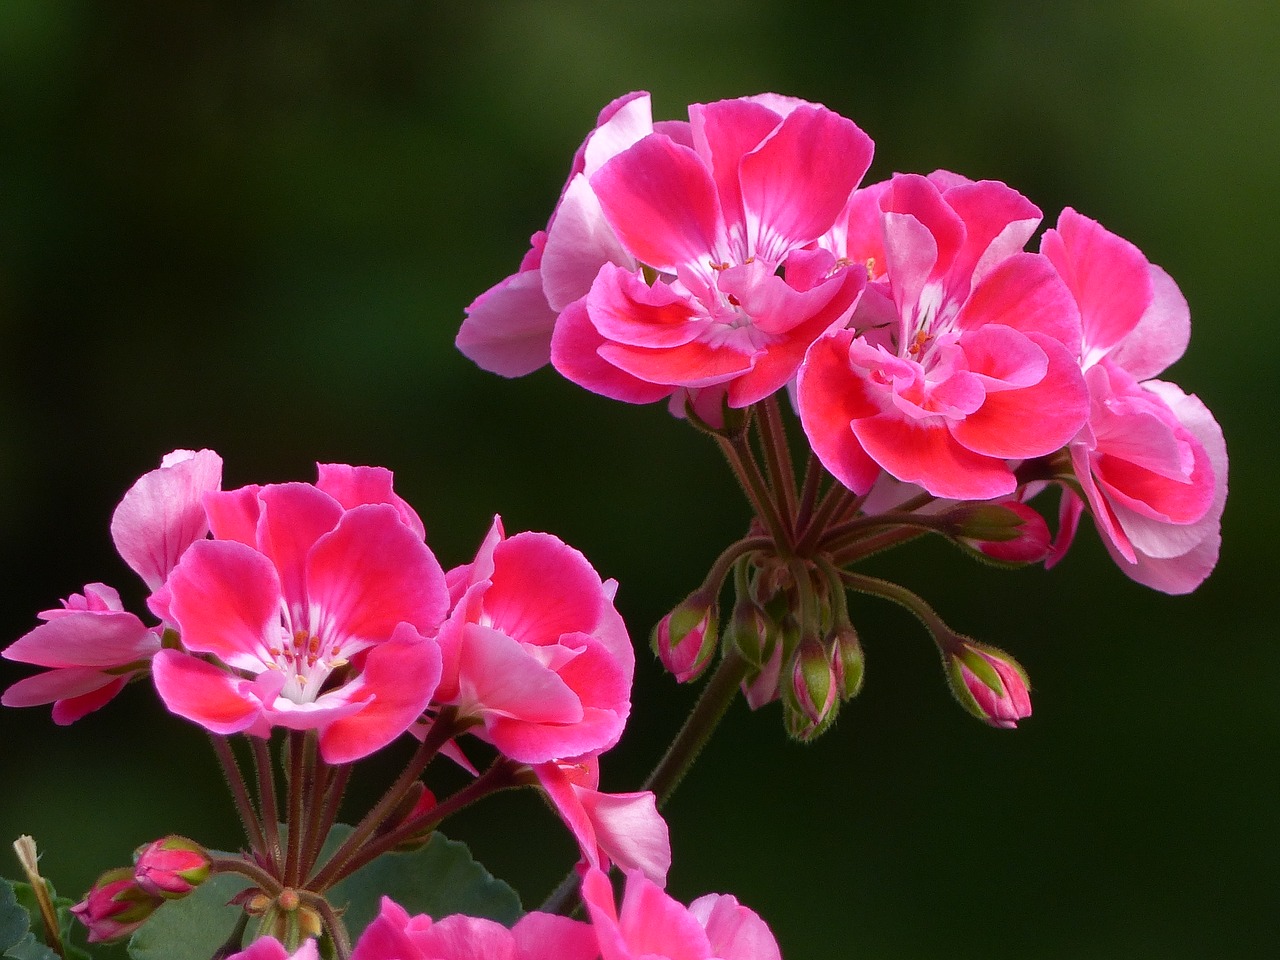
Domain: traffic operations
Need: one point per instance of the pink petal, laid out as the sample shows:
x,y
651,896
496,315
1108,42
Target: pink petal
x,y
926,454
387,935
63,684
395,685
652,922
205,694
797,181
545,936
1162,333
371,573
691,365
85,639
72,709
162,513
225,598
542,589
293,518
575,354
498,675
630,831
1024,293
735,932
626,310
922,236
661,203
579,242
233,514
507,329
356,486
998,222
723,133
460,937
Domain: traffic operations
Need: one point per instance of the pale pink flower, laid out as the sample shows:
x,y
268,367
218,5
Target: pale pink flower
x,y
508,327
536,650
269,948
723,291
1151,460
318,605
394,935
611,828
654,926
92,646
974,366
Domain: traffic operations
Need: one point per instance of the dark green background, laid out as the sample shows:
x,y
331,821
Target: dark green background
x,y
253,226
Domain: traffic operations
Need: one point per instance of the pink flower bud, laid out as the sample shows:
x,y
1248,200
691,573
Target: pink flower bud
x,y
115,906
810,699
989,683
1008,533
685,639
170,867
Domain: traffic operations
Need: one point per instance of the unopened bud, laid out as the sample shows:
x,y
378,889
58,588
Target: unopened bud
x,y
115,906
988,682
848,662
750,632
1008,533
170,867
809,697
685,639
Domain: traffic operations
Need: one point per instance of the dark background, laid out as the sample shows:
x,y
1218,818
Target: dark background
x,y
253,226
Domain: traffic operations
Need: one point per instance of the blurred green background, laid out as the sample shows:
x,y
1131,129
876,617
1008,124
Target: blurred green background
x,y
253,226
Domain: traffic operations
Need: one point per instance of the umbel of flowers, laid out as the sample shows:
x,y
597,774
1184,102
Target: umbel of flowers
x,y
944,377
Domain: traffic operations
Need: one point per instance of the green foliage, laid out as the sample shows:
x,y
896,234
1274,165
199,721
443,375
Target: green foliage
x,y
193,927
16,939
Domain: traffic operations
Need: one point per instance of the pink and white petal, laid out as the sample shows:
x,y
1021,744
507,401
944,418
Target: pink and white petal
x,y
73,708
695,364
85,639
922,236
163,513
723,132
579,242
293,518
734,931
660,200
1024,292
61,684
371,573
797,181
575,353
998,222
225,598
395,686
498,678
542,588
626,310
630,831
620,124
1108,275
202,693
1162,334
1173,575
925,453
507,329
545,936
355,486
1030,421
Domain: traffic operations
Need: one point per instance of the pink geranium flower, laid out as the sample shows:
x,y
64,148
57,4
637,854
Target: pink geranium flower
x,y
653,926
92,646
394,935
611,828
723,291
974,366
314,607
1151,462
535,650
269,948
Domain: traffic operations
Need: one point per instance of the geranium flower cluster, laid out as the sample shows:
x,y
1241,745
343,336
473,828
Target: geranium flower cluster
x,y
717,260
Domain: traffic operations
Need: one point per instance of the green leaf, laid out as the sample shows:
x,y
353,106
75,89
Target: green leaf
x,y
16,939
191,928
28,948
439,879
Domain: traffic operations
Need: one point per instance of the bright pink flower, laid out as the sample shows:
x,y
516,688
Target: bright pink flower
x,y
722,289
1151,461
611,828
536,650
508,327
394,935
978,365
653,926
319,611
171,867
91,645
115,906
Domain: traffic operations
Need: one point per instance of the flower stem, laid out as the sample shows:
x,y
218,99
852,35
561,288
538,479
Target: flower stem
x,y
264,880
265,770
698,727
301,759
777,455
737,451
239,792
333,923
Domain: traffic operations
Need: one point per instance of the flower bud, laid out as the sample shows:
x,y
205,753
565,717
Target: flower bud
x,y
1008,533
848,662
809,697
750,632
988,682
115,906
685,639
170,867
